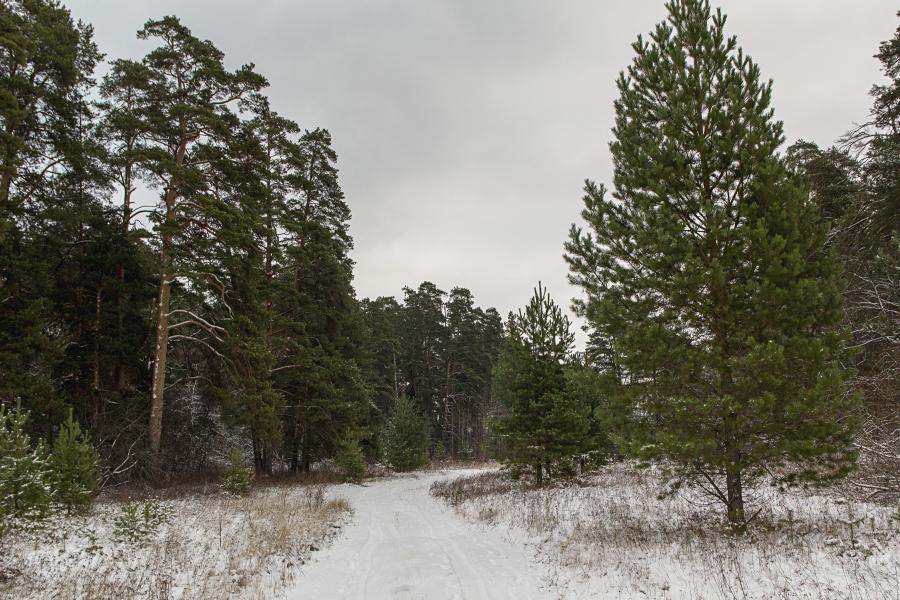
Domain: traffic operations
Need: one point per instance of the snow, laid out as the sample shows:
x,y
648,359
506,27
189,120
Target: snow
x,y
611,537
614,538
402,543
211,546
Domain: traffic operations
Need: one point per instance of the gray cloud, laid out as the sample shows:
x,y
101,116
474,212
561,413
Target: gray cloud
x,y
465,128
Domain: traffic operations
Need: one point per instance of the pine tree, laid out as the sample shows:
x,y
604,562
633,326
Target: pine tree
x,y
25,478
545,427
857,189
45,70
351,460
237,478
74,465
406,436
382,361
320,324
709,269
190,96
424,352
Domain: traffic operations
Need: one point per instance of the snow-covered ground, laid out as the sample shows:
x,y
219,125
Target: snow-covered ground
x,y
402,543
209,547
483,537
613,538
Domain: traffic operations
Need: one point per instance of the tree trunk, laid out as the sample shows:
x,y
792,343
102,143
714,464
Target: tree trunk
x,y
166,276
735,492
733,484
95,384
396,384
158,384
307,459
119,373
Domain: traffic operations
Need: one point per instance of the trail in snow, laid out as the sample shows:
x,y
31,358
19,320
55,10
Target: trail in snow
x,y
402,543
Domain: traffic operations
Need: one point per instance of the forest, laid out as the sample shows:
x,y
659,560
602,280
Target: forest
x,y
177,296
223,313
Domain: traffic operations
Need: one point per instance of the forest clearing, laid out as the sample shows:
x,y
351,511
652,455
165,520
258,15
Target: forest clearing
x,y
684,383
465,533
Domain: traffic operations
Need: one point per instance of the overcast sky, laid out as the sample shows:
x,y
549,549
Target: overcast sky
x,y
465,128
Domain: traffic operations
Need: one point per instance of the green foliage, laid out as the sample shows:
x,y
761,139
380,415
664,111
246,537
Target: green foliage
x,y
351,460
439,453
708,273
137,522
546,428
47,170
406,437
439,349
857,189
424,351
238,477
74,464
25,476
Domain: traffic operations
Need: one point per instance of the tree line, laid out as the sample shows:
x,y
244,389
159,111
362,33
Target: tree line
x,y
741,301
175,268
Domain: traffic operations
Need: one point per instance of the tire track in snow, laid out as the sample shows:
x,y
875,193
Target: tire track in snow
x,y
403,544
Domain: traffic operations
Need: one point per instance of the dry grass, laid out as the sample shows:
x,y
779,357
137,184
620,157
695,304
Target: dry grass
x,y
614,537
214,546
205,483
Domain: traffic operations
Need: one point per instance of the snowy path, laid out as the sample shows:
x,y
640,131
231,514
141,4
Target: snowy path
x,y
402,543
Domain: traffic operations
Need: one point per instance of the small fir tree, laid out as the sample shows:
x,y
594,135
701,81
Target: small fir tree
x,y
546,427
238,476
25,478
74,465
406,436
351,460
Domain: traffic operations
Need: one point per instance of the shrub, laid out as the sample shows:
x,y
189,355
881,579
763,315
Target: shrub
x,y
25,482
237,478
439,453
138,521
350,460
74,466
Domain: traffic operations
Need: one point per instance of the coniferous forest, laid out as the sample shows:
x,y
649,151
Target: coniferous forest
x,y
222,314
177,292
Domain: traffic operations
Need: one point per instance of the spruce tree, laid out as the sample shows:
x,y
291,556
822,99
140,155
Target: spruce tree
x,y
405,436
351,460
74,465
709,271
546,426
382,361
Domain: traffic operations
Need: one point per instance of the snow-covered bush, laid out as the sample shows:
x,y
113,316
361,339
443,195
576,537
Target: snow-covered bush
x,y
237,478
74,463
139,521
25,478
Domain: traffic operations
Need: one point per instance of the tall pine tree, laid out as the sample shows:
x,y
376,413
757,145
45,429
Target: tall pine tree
x,y
190,101
708,269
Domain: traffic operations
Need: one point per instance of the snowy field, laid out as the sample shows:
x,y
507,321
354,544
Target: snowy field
x,y
483,537
205,546
614,538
